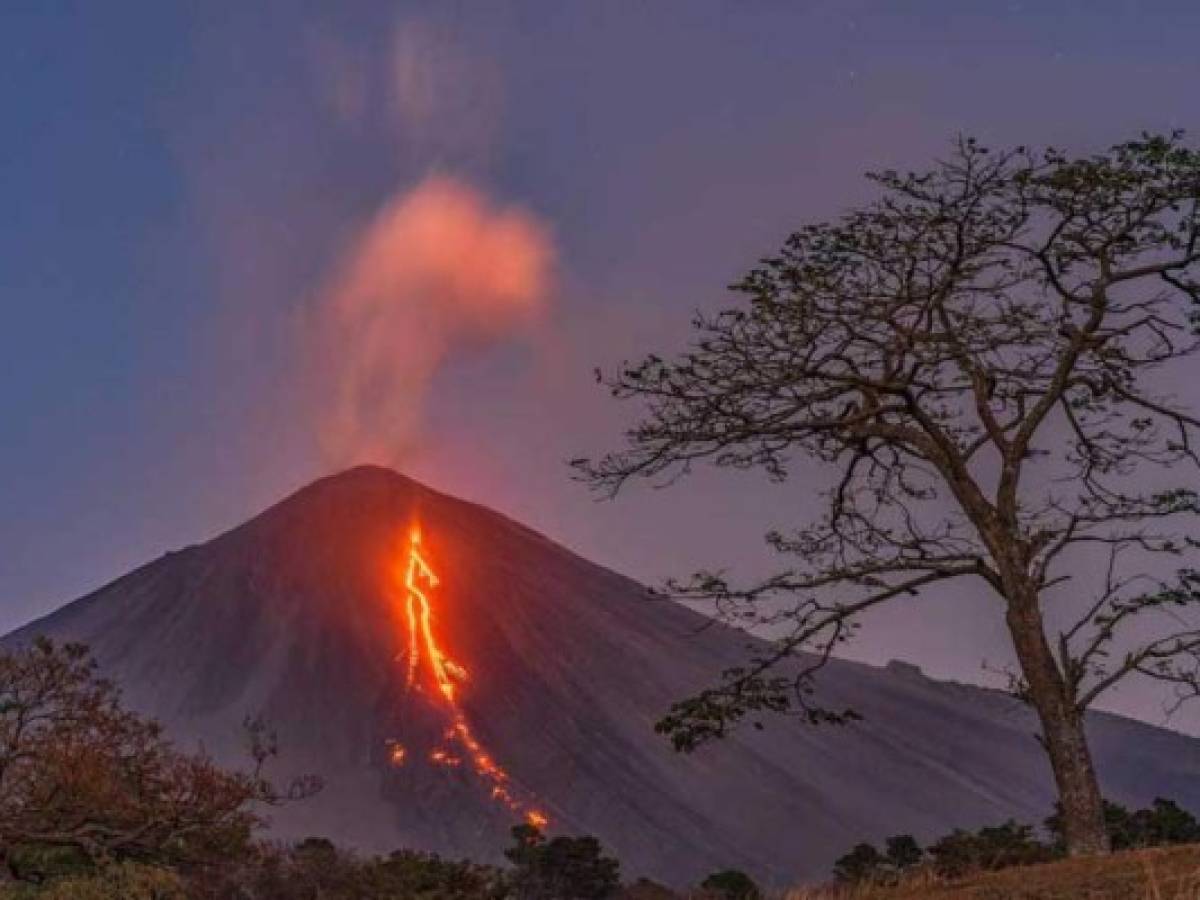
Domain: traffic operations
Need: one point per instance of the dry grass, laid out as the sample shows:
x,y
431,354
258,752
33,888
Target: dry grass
x,y
1161,874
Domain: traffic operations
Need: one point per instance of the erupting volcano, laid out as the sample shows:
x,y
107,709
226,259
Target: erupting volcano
x,y
441,673
450,685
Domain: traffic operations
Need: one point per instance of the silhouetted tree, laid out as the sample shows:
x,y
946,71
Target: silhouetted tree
x,y
84,781
989,848
731,884
563,868
980,356
863,863
903,852
1162,824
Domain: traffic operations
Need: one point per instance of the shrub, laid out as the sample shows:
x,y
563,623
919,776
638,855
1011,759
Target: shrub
x,y
864,863
1163,823
992,847
731,884
564,868
903,852
316,869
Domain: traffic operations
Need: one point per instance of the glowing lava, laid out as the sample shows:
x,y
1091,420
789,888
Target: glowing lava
x,y
442,673
397,754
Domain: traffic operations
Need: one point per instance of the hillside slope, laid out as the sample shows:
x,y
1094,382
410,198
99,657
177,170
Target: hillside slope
x,y
296,614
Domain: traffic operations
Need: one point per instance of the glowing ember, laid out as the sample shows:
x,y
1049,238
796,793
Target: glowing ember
x,y
442,758
441,674
396,754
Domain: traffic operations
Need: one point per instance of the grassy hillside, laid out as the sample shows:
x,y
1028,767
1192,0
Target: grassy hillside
x,y
1159,874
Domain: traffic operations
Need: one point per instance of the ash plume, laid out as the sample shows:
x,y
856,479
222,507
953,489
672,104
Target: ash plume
x,y
440,267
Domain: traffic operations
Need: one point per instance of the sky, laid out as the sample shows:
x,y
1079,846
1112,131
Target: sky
x,y
197,195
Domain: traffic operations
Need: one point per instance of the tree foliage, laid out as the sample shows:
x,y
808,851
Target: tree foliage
x,y
316,869
84,781
991,847
561,868
731,884
866,864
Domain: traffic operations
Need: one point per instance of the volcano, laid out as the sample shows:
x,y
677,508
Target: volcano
x,y
552,671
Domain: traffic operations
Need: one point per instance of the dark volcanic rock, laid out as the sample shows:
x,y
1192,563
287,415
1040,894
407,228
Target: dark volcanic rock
x,y
292,615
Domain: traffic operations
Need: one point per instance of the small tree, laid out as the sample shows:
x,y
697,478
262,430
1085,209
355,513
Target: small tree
x,y
979,356
863,863
990,848
731,884
84,781
903,852
563,868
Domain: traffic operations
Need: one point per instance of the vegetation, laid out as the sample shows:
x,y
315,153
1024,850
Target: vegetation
x,y
1008,845
1000,313
864,863
315,869
1157,874
1163,824
563,868
84,781
731,884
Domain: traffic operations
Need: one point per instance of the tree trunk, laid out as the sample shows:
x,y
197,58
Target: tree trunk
x,y
1062,732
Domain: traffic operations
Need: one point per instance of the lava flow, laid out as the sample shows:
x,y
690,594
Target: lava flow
x,y
443,673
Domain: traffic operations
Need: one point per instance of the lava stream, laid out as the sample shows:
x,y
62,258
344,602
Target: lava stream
x,y
442,671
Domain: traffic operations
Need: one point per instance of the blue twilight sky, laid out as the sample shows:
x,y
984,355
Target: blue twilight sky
x,y
178,179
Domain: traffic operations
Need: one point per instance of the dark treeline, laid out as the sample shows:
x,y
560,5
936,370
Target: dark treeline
x,y
1163,823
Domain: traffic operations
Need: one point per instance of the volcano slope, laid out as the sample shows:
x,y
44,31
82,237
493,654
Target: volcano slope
x,y
299,614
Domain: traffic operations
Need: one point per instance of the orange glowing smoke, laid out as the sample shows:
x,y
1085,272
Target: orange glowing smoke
x,y
441,672
439,267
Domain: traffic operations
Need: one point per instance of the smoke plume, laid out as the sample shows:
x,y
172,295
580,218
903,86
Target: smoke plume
x,y
439,267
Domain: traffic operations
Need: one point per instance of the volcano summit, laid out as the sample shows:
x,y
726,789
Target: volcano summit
x,y
504,677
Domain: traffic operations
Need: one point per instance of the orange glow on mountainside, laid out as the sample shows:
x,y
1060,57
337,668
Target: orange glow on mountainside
x,y
428,664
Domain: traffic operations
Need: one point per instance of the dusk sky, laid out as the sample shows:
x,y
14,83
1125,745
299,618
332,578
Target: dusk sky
x,y
193,192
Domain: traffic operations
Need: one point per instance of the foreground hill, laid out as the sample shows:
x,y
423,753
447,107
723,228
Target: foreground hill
x,y
299,615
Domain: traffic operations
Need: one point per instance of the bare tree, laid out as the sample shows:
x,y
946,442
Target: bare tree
x,y
982,357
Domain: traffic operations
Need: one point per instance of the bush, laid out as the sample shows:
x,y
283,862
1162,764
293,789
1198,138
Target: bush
x,y
565,868
1163,823
731,884
989,848
903,852
865,864
316,869
959,853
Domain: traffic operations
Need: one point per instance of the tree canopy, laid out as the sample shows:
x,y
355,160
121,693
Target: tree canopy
x,y
84,780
